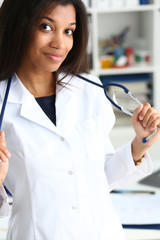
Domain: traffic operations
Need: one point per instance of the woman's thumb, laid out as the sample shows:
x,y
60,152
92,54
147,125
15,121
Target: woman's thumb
x,y
2,136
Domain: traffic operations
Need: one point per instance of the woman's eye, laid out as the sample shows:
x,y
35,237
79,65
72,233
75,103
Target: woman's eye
x,y
69,31
45,26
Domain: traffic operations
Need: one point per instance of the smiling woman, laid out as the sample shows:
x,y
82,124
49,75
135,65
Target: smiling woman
x,y
51,43
52,40
21,30
56,157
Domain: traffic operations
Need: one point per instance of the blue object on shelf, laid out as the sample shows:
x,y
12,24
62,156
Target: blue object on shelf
x,y
146,77
118,52
142,2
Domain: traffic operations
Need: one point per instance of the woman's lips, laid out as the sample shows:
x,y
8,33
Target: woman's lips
x,y
54,57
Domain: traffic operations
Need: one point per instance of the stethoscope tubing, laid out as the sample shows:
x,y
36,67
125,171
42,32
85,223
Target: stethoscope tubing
x,y
144,140
5,101
105,89
126,90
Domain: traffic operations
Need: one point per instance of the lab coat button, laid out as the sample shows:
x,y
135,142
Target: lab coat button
x,y
70,172
74,208
62,139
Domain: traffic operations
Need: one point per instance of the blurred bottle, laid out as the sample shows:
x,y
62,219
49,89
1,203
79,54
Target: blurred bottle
x,y
130,56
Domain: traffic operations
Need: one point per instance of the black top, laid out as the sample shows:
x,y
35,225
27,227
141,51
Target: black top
x,y
48,106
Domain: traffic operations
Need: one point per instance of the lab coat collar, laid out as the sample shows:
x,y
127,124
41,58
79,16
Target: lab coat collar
x,y
31,110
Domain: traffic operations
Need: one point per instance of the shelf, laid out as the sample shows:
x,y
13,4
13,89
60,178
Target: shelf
x,y
148,7
140,8
129,70
143,35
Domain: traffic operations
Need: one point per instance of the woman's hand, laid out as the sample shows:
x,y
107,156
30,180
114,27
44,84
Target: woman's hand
x,y
145,119
4,156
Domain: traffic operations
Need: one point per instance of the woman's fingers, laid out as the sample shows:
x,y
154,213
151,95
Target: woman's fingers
x,y
149,117
153,122
145,120
2,135
4,153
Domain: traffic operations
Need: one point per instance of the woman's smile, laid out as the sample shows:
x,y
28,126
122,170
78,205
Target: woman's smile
x,y
54,57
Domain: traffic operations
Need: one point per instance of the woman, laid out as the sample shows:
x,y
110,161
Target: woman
x,y
61,162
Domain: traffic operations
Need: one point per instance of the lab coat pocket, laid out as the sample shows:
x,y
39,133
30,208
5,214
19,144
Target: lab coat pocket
x,y
92,135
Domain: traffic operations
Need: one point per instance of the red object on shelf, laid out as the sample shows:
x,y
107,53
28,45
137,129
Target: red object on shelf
x,y
130,56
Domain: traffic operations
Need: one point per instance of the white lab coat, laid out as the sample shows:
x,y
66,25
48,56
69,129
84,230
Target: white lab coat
x,y
60,177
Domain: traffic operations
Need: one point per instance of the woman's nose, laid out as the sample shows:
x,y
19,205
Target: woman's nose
x,y
57,41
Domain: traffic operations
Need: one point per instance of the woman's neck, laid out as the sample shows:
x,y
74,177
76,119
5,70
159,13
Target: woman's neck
x,y
38,84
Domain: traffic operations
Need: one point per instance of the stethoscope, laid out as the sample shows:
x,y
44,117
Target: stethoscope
x,y
114,101
5,101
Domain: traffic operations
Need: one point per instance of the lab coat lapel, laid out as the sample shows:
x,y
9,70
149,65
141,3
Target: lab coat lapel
x,y
33,112
30,109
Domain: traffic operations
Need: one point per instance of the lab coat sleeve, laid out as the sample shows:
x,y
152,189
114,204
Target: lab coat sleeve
x,y
120,168
4,206
119,165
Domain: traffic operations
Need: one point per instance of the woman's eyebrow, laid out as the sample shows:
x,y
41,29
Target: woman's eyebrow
x,y
52,20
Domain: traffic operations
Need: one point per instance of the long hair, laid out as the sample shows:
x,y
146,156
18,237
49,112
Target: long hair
x,y
17,21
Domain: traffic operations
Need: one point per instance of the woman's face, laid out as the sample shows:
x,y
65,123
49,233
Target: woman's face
x,y
53,39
